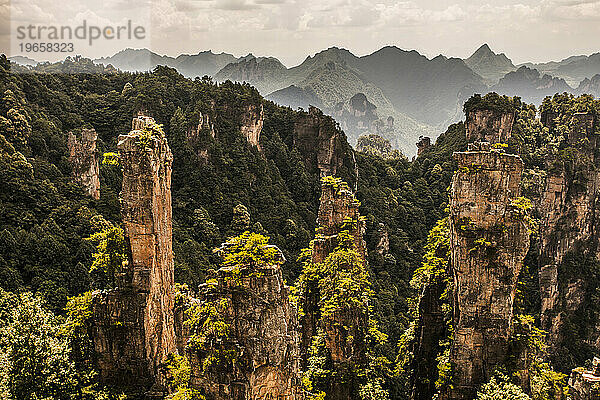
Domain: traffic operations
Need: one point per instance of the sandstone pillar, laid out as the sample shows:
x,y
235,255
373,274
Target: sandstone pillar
x,y
489,239
133,325
84,161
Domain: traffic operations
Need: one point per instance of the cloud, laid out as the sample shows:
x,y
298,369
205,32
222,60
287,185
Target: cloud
x,y
571,9
235,5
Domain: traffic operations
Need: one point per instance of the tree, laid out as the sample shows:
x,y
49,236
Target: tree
x,y
34,357
499,388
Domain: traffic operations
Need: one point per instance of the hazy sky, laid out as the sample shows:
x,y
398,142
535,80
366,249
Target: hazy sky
x,y
292,29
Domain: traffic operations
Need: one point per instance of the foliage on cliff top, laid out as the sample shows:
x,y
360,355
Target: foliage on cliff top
x,y
249,250
493,102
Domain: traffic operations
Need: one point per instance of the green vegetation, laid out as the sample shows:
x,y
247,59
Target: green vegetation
x,y
492,102
345,321
500,388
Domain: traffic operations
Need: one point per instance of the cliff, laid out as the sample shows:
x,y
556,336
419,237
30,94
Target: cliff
x,y
133,324
84,161
489,238
258,357
569,226
252,124
487,125
334,294
322,145
337,206
585,384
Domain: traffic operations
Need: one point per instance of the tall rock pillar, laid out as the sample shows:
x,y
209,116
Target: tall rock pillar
x,y
84,161
489,239
133,325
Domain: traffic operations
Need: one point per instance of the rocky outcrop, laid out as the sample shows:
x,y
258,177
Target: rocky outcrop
x,y
84,161
489,238
568,227
323,146
423,144
489,125
343,334
252,124
133,325
585,384
358,117
337,206
263,333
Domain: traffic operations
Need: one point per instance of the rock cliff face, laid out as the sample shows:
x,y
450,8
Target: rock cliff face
x,y
344,332
323,146
252,124
568,226
337,205
489,126
585,384
489,239
423,144
133,325
84,160
264,332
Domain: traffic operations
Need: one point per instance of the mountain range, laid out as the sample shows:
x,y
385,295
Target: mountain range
x,y
421,95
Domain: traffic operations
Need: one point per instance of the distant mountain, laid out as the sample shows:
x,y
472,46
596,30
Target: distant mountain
x,y
266,74
489,65
428,90
191,66
590,86
530,85
421,95
573,69
295,97
21,60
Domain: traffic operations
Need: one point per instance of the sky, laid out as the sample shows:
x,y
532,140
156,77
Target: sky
x,y
290,30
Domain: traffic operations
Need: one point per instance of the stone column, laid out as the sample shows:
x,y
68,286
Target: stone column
x,y
84,161
489,240
133,325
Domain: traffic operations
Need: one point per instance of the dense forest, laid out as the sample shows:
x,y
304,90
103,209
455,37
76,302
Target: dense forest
x,y
56,242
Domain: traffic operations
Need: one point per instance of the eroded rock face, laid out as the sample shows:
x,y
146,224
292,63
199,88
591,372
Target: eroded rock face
x,y
323,146
84,160
489,126
568,226
264,332
585,384
423,144
337,204
252,124
489,239
133,325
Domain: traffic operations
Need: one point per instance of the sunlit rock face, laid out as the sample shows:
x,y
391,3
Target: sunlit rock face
x,y
133,325
489,126
84,161
489,239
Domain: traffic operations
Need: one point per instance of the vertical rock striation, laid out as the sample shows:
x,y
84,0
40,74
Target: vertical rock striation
x,y
323,146
488,125
84,161
252,124
337,206
489,239
569,225
133,325
263,334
